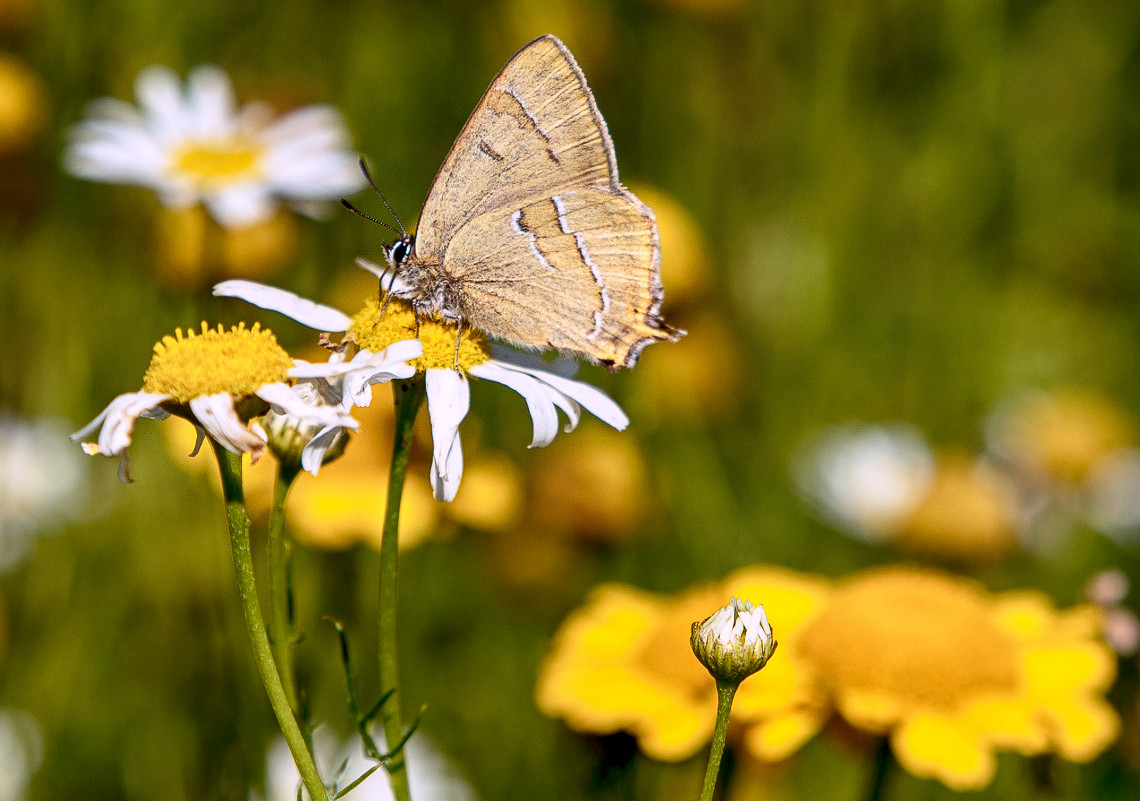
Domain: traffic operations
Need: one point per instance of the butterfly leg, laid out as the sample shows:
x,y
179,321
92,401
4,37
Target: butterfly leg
x,y
458,337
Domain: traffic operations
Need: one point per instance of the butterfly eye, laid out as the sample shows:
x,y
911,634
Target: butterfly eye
x,y
400,249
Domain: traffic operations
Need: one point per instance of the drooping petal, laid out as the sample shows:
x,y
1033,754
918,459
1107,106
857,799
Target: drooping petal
x,y
590,397
313,454
538,396
216,414
118,421
448,398
314,315
285,401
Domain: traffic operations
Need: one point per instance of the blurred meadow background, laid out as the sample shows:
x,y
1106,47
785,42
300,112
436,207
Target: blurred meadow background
x,y
904,237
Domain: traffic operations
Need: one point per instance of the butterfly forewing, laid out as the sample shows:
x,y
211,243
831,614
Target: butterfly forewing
x,y
546,247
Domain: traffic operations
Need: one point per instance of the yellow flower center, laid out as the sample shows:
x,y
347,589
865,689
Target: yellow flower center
x,y
238,361
922,638
375,331
217,162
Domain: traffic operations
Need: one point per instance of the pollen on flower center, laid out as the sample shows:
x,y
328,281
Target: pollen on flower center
x,y
924,639
375,331
238,362
216,162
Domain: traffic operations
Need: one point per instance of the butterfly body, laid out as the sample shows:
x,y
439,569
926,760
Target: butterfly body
x,y
527,234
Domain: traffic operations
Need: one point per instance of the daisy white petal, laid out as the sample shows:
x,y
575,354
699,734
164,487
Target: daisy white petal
x,y
313,454
284,400
240,205
448,398
160,97
538,397
590,397
210,102
216,414
118,421
307,312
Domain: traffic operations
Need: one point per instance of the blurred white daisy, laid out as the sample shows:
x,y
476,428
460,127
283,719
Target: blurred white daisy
x,y
544,389
221,381
21,753
43,483
195,146
430,776
866,480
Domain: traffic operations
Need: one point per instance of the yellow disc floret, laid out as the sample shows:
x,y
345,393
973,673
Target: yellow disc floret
x,y
238,362
214,164
375,331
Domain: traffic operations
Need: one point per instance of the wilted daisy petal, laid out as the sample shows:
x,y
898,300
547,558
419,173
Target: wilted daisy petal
x,y
216,414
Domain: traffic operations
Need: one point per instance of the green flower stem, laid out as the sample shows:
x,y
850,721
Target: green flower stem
x,y
280,612
884,763
409,397
230,466
725,692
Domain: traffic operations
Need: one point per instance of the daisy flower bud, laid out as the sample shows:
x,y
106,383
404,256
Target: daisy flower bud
x,y
734,642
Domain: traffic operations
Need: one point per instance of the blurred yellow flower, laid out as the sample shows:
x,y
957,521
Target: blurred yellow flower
x,y
23,104
968,514
623,662
1061,435
953,674
685,269
675,384
191,249
491,496
594,487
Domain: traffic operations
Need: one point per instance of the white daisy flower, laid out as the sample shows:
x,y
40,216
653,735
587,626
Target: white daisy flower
x,y
196,146
866,480
430,776
448,391
21,753
43,483
221,380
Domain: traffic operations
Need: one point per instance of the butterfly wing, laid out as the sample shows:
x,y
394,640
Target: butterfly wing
x,y
528,217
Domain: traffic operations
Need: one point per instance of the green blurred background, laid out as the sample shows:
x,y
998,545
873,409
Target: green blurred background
x,y
898,210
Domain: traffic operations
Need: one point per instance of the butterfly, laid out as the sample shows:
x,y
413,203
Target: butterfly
x,y
526,232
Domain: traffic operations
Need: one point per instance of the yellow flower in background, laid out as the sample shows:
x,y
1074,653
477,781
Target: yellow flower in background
x,y
672,385
491,496
593,487
884,484
953,674
685,267
967,515
23,104
191,249
1059,436
623,662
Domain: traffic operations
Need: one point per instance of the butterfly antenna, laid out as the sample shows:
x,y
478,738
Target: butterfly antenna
x,y
370,218
368,175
